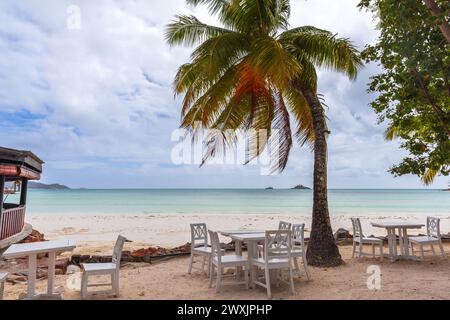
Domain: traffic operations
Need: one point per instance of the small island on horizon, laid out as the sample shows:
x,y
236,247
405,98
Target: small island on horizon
x,y
54,186
298,187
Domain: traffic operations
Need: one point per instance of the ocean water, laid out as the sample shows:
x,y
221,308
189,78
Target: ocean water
x,y
214,201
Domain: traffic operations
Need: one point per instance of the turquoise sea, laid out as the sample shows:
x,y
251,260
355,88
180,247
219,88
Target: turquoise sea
x,y
377,202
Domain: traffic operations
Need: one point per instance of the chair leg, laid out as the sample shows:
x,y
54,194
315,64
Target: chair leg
x,y
432,249
442,248
291,280
354,249
203,263
269,290
421,252
373,251
297,268
360,250
209,265
211,275
253,274
84,284
246,276
305,265
2,290
219,279
115,282
191,261
381,252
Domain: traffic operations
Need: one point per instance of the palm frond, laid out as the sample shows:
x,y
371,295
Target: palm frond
x,y
188,30
323,49
281,141
301,111
269,56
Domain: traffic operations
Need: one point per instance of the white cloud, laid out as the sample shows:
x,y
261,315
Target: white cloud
x,y
101,102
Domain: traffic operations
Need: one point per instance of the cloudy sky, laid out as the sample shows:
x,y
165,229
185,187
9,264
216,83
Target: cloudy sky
x,y
96,102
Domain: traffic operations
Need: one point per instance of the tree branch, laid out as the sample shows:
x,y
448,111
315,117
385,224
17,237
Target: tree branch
x,y
437,12
442,115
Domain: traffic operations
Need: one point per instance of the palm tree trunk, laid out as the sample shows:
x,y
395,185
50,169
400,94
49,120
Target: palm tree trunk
x,y
322,248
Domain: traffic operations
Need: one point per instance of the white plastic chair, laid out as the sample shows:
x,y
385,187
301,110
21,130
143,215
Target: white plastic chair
x,y
221,261
299,249
277,256
96,269
199,245
432,238
359,240
2,284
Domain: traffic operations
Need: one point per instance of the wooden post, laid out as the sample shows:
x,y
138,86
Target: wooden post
x,y
2,189
23,192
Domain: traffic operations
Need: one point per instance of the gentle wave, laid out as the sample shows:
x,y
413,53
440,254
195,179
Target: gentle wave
x,y
215,201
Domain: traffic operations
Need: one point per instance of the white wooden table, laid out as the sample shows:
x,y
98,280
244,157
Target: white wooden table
x,y
251,238
31,250
402,228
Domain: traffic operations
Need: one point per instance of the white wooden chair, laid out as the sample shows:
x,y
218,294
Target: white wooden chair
x,y
359,240
199,245
2,284
432,238
221,261
283,225
96,269
299,249
277,256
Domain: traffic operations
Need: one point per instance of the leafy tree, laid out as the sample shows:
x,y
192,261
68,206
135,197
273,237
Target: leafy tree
x,y
253,72
442,15
414,90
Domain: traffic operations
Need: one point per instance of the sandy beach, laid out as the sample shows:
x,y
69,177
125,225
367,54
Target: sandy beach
x,y
427,280
98,232
168,279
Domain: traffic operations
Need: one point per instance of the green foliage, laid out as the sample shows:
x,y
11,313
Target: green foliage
x,y
413,88
241,74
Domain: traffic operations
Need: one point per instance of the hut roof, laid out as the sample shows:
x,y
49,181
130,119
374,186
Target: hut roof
x,y
19,163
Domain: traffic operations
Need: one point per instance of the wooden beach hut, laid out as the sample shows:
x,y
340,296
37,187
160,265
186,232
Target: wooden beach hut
x,y
17,167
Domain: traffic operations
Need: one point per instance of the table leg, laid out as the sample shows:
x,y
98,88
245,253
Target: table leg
x,y
238,252
406,243
51,272
32,268
394,237
401,242
391,243
238,248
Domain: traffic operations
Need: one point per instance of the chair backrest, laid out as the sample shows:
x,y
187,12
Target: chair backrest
x,y
284,225
357,229
278,244
117,252
433,227
199,235
215,245
298,235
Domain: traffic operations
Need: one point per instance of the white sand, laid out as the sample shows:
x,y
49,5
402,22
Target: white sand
x,y
173,230
429,279
425,280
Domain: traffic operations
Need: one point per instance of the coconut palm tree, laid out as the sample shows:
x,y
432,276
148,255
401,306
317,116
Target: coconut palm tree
x,y
253,72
